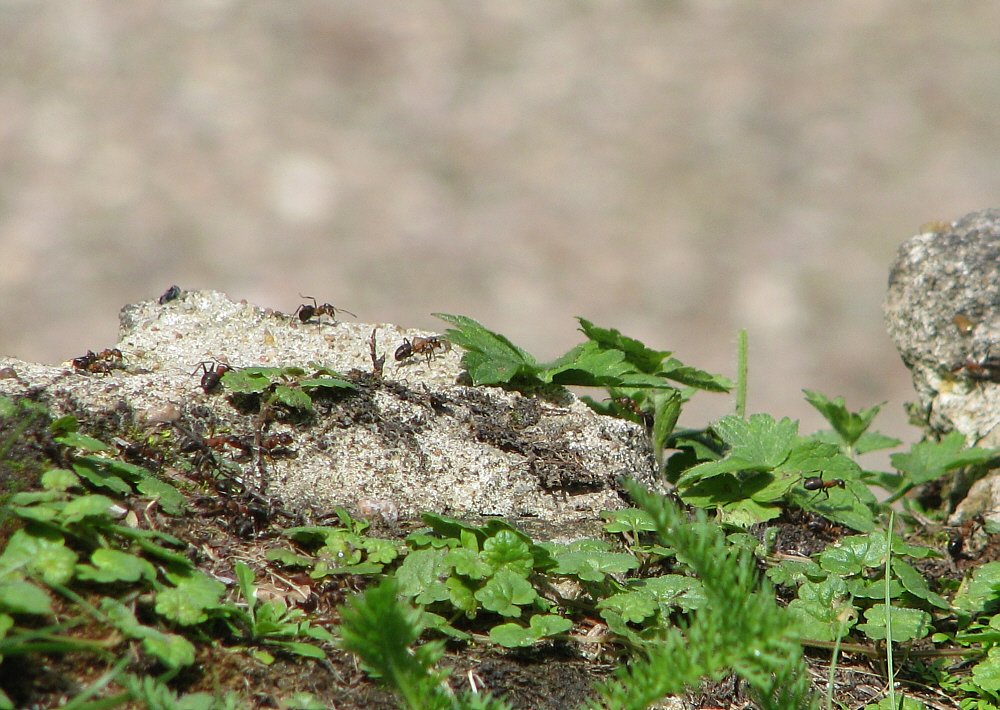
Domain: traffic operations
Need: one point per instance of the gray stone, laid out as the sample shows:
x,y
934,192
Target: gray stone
x,y
943,312
412,440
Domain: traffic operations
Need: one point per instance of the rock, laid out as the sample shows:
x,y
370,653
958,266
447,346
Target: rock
x,y
408,441
943,312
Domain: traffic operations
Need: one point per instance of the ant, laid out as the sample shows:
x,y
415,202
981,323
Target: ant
x,y
422,346
305,312
956,543
170,294
985,370
102,362
211,376
628,404
817,483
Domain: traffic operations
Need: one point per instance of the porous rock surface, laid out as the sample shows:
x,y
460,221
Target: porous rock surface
x,y
410,440
943,312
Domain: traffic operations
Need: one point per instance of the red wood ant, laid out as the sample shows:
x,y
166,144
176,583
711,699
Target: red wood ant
x,y
422,346
627,404
985,370
102,362
956,543
211,376
817,483
306,312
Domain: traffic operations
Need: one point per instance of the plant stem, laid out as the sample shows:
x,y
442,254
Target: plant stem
x,y
741,373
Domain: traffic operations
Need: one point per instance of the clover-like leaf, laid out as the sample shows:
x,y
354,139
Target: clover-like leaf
x,y
505,550
986,673
59,479
421,574
506,592
981,592
293,397
851,555
516,636
907,624
594,566
21,597
627,520
81,507
43,554
187,602
115,566
468,563
822,609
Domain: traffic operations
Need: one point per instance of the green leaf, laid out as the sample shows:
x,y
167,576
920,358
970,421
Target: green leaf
x,y
186,603
468,563
20,597
588,365
87,506
421,574
115,566
593,566
81,441
292,397
328,382
306,650
170,500
928,460
986,673
506,551
914,583
627,520
491,358
100,476
761,441
59,479
635,353
506,592
674,370
849,425
852,555
981,592
875,441
907,624
39,554
250,380
516,636
666,411
822,609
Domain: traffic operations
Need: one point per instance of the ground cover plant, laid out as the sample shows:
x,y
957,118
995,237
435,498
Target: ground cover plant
x,y
771,557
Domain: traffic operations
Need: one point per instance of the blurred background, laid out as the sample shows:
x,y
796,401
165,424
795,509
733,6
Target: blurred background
x,y
676,170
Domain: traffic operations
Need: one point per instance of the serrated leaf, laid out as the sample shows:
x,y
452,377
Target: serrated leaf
x,y
693,377
981,592
761,441
115,566
635,353
875,441
850,426
172,650
379,550
928,460
516,636
506,592
587,365
986,673
43,554
907,624
491,358
468,563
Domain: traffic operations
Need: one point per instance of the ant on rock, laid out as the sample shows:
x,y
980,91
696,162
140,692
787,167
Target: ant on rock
x,y
422,346
100,363
211,376
306,312
985,370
